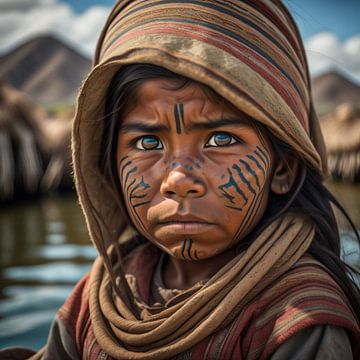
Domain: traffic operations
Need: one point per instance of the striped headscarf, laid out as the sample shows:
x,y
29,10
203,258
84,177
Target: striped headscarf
x,y
250,52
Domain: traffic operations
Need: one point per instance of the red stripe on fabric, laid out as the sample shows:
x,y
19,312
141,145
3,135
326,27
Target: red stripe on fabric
x,y
216,344
142,265
199,350
73,306
234,48
271,15
314,320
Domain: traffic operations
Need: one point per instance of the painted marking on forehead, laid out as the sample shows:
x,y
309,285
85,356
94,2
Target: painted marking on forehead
x,y
179,117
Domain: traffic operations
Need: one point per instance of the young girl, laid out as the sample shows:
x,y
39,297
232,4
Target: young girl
x,y
199,164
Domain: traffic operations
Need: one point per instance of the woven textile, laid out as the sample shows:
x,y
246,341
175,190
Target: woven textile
x,y
304,296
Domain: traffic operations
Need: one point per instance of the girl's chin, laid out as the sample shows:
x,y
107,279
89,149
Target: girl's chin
x,y
187,248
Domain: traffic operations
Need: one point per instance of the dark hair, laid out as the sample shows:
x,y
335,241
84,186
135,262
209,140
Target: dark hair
x,y
307,195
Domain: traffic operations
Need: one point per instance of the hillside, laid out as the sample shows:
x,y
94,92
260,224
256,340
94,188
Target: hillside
x,y
50,73
333,89
46,69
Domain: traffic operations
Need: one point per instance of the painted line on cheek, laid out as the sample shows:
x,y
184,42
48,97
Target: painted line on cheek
x,y
141,184
243,178
140,204
251,171
132,183
257,153
123,158
253,159
233,183
123,168
254,206
137,196
267,157
130,172
234,208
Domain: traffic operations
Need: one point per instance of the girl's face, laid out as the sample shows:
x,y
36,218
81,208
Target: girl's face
x,y
194,173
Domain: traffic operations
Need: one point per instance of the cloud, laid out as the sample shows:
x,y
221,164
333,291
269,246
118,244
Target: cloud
x,y
20,20
326,52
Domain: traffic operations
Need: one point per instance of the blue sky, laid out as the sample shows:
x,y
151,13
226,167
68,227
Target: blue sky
x,y
341,17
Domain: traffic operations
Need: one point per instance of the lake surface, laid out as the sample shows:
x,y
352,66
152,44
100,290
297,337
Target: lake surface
x,y
45,250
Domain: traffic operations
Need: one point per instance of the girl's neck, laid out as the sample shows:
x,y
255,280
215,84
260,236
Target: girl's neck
x,y
183,274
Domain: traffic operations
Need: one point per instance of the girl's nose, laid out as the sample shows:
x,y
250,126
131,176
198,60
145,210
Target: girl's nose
x,y
180,183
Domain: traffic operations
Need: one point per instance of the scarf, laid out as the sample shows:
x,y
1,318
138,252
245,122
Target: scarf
x,y
164,331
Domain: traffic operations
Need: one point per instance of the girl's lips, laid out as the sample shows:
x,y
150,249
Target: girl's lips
x,y
184,227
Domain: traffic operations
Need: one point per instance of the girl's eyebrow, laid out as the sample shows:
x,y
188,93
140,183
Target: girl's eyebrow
x,y
213,124
142,127
137,126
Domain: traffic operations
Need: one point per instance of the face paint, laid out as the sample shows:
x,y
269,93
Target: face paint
x,y
196,177
179,117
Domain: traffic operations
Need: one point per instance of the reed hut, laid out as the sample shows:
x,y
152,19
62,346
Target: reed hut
x,y
341,131
34,150
58,170
21,163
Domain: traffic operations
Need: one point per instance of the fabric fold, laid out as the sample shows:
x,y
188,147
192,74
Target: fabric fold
x,y
212,306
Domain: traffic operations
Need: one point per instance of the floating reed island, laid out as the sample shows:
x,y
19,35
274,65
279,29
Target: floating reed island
x,y
341,131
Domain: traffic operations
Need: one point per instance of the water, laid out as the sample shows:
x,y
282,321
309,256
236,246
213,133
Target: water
x,y
45,250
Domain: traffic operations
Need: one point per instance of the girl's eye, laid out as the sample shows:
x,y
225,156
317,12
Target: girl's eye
x,y
149,142
221,139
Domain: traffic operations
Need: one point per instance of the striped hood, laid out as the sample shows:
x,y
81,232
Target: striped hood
x,y
249,52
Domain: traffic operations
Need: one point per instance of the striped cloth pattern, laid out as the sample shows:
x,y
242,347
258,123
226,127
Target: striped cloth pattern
x,y
248,51
304,296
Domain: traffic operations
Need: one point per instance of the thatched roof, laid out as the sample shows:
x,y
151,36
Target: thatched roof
x,y
341,132
20,154
29,143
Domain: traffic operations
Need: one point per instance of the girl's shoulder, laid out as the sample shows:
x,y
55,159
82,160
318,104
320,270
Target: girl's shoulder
x,y
305,296
74,313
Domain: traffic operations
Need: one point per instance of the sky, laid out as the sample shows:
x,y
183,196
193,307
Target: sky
x,y
330,28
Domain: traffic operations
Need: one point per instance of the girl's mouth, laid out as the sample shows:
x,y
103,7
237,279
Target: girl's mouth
x,y
187,227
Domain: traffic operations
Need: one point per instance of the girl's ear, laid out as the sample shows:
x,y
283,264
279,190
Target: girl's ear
x,y
285,172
